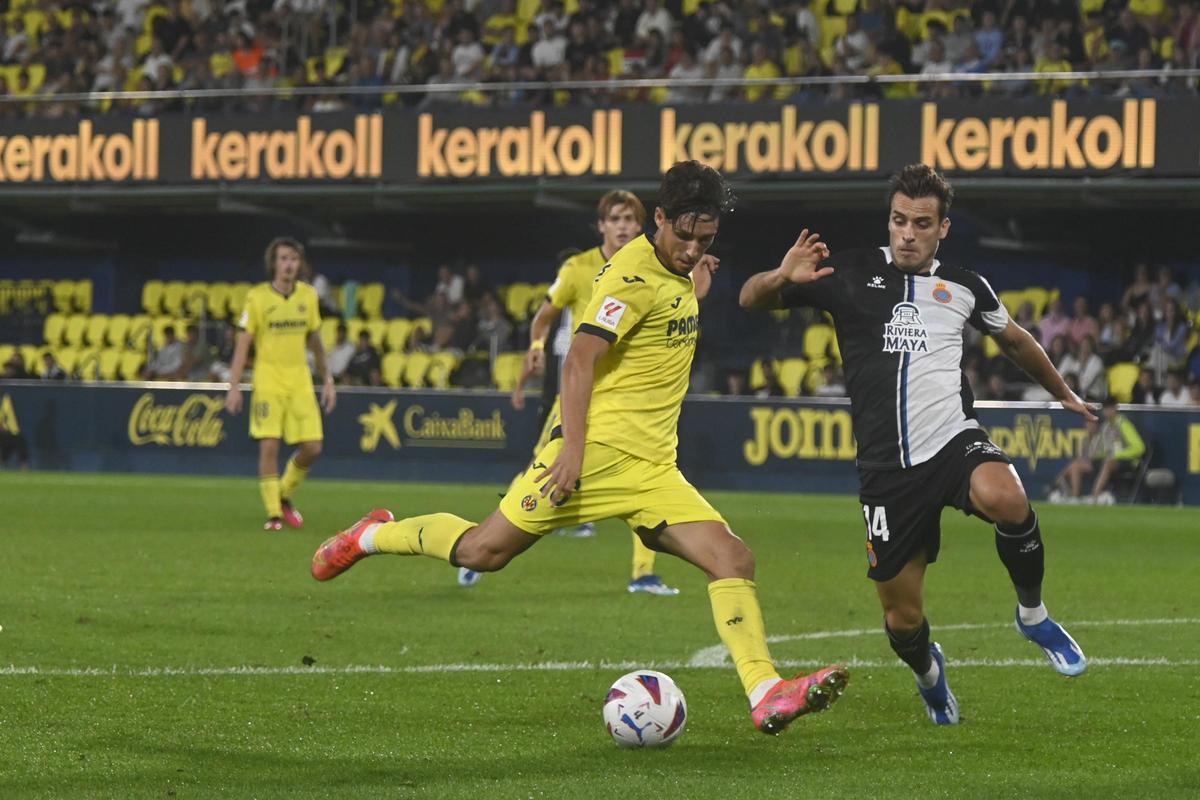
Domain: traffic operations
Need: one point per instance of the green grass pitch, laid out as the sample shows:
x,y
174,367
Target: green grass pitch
x,y
156,643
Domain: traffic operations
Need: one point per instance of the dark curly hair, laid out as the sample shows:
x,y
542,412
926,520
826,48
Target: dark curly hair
x,y
691,188
922,180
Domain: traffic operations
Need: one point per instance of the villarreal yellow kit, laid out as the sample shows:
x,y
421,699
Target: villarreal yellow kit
x,y
283,404
650,316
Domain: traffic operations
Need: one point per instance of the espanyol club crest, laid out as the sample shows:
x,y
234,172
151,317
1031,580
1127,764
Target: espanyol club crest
x,y
942,294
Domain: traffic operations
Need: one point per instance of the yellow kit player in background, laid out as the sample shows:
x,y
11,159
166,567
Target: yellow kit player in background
x,y
620,216
623,385
282,318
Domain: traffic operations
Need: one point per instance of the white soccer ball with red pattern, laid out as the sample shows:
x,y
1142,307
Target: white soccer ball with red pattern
x,y
644,709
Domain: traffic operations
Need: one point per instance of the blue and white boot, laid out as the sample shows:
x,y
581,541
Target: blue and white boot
x,y
939,700
1061,650
652,584
468,577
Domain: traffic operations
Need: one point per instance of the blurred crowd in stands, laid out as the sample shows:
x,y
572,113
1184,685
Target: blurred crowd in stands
x,y
69,46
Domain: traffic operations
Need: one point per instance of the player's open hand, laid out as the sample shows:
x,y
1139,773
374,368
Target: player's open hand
x,y
328,397
702,274
561,478
1073,403
233,400
800,263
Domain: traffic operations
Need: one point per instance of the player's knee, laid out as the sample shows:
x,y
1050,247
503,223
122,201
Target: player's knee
x,y
903,618
736,560
311,450
480,556
1005,504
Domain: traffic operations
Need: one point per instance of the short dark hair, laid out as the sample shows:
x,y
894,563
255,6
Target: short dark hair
x,y
693,188
922,180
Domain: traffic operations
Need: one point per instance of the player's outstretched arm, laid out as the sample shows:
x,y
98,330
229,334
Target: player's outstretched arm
x,y
800,265
535,358
1024,351
241,352
578,376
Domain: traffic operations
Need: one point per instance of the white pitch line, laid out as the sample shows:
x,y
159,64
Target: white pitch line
x,y
717,655
544,666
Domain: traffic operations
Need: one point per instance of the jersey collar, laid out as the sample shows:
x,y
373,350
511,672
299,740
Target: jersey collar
x,y
887,256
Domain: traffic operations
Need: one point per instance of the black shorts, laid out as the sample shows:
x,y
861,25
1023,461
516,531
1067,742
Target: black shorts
x,y
903,507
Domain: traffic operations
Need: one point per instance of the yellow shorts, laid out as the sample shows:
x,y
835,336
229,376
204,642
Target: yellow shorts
x,y
613,484
292,416
553,419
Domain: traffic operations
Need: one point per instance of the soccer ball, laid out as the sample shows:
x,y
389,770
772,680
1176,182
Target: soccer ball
x,y
644,709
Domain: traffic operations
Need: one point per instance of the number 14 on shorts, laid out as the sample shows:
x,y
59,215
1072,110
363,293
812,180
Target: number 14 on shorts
x,y
877,524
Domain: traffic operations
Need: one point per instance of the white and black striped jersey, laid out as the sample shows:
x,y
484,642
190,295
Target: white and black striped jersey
x,y
901,337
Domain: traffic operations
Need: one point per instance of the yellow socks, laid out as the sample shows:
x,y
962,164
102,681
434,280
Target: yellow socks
x,y
643,558
429,535
268,487
293,474
740,625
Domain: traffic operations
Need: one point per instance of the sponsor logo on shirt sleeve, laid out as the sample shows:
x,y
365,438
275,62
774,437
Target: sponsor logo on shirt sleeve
x,y
610,313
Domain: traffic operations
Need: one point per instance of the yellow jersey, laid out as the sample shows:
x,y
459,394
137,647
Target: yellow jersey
x,y
572,287
280,326
650,316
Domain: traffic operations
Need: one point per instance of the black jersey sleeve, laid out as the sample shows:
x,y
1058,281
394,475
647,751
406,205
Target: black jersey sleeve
x,y
820,293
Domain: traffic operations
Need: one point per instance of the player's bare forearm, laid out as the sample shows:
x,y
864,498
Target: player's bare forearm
x,y
762,290
543,320
319,360
1024,351
578,377
241,353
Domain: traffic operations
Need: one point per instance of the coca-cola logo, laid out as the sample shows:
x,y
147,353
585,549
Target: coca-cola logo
x,y
196,422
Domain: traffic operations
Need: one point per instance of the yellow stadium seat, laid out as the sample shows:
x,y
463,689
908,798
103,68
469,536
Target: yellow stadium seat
x,y
506,370
815,378
216,299
173,297
87,368
335,57
64,296
77,325
516,301
195,299
67,357
376,328
138,332
6,352
152,295
757,380
415,367
990,348
1121,380
831,29
393,369
441,366
370,300
1013,299
817,339
537,294
82,297
353,328
116,330
110,363
396,335
132,362
53,329
237,298
1039,298
835,349
791,375
423,324
32,354
97,326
